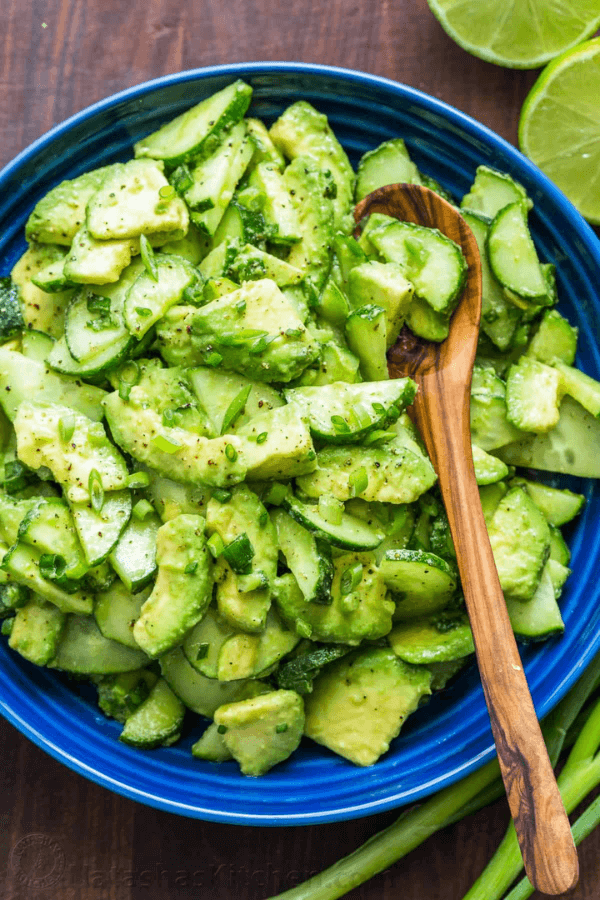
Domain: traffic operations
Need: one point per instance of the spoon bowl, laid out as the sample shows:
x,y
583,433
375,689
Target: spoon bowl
x,y
443,373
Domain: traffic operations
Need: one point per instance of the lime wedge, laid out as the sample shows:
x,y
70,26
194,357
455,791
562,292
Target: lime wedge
x,y
559,129
520,34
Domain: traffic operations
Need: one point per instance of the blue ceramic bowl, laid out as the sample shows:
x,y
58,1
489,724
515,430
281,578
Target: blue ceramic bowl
x,y
451,736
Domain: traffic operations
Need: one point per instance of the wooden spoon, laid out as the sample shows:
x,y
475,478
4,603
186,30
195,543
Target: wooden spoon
x,y
441,412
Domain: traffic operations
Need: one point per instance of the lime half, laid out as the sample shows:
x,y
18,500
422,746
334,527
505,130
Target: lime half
x,y
559,128
520,34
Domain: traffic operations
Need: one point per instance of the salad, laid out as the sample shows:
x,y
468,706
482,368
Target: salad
x,y
214,503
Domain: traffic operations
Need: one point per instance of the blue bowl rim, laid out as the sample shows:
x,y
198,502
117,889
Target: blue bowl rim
x,y
475,130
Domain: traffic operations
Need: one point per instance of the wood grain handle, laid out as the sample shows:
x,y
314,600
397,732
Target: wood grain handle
x,y
540,819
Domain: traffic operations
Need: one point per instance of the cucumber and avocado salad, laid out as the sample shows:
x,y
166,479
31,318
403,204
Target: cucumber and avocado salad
x,y
213,501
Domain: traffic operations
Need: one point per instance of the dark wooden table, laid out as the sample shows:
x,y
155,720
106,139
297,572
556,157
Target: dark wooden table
x,y
62,837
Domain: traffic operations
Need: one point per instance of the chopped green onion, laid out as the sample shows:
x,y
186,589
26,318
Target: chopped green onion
x,y
331,509
182,179
96,490
239,554
97,304
213,359
379,437
202,651
137,480
221,495
231,453
52,566
124,390
161,442
303,628
222,729
340,425
281,728
261,343
16,476
379,408
349,602
215,545
351,578
130,373
7,626
263,518
311,455
168,417
190,569
143,311
240,307
358,481
66,428
276,494
294,332
261,438
235,408
255,581
148,258
167,192
361,417
141,510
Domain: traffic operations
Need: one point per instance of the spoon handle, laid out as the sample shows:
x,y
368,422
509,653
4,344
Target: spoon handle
x,y
541,823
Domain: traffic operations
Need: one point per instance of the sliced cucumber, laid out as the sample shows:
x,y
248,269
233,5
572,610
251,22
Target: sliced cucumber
x,y
346,413
512,254
116,611
61,360
580,387
84,650
488,468
555,340
49,527
571,447
350,534
149,298
202,645
422,582
308,557
540,617
366,333
134,556
157,722
387,164
432,262
36,345
197,130
432,639
99,531
559,506
492,191
278,208
23,565
533,394
90,335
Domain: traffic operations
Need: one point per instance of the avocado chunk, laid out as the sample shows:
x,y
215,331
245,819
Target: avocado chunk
x,y
120,695
254,331
11,317
361,613
41,311
394,473
127,203
302,131
61,212
40,443
211,746
37,630
183,588
311,198
382,284
520,539
262,731
244,517
359,703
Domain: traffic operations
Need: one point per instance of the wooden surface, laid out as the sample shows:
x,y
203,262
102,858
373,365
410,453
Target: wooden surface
x,y
61,837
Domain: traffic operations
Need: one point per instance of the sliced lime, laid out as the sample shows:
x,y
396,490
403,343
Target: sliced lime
x,y
520,34
559,128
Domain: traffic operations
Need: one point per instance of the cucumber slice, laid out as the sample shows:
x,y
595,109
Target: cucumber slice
x,y
387,164
148,299
533,392
580,387
197,130
84,650
499,317
116,611
422,582
202,645
559,506
200,694
555,341
278,209
211,746
88,333
22,564
50,529
426,322
350,534
134,556
540,617
22,378
490,427
346,413
99,531
307,556
571,447
492,191
512,254
488,469
157,722
36,345
366,333
432,639
432,262
61,360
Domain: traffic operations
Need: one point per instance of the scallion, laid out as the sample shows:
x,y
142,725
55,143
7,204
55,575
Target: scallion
x,y
239,553
167,445
137,480
231,453
66,428
215,545
358,481
141,510
235,408
96,491
148,258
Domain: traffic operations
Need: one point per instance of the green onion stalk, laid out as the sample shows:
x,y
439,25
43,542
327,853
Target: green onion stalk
x,y
562,727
